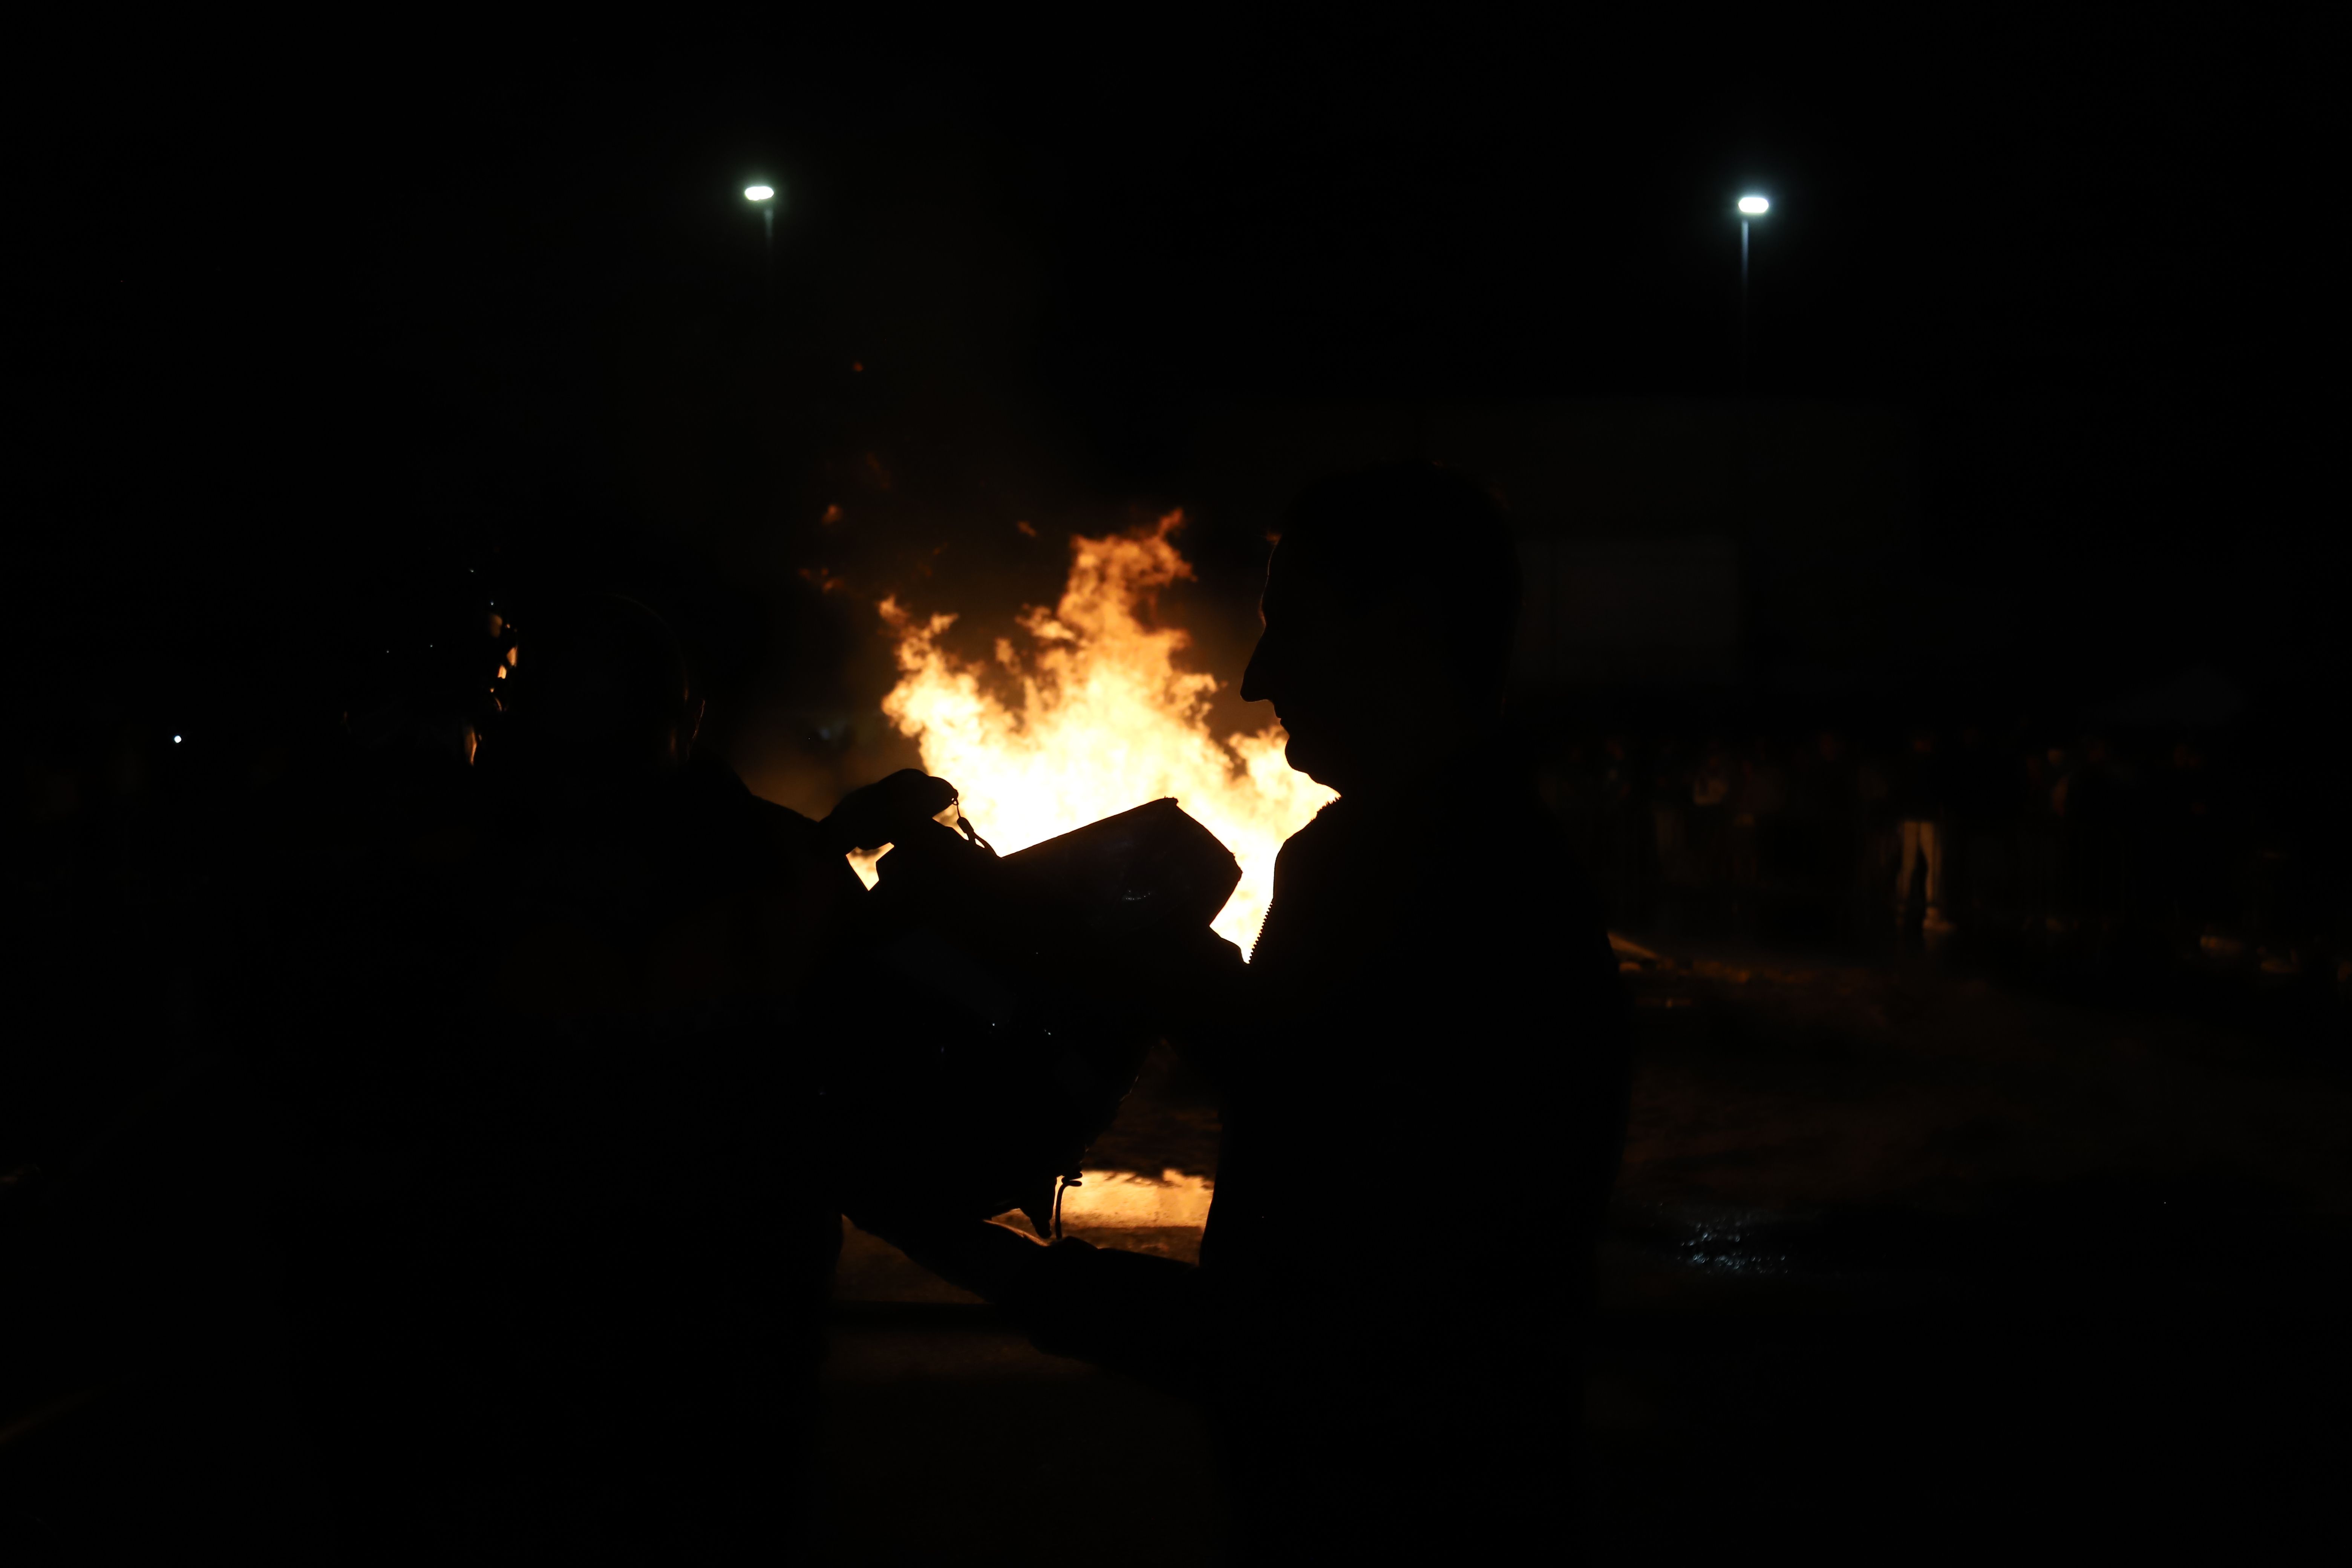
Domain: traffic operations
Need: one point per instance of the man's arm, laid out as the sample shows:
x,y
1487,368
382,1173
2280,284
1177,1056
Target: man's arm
x,y
1194,989
1129,1311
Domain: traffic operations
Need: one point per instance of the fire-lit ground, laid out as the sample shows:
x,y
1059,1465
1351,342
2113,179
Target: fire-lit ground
x,y
1901,1260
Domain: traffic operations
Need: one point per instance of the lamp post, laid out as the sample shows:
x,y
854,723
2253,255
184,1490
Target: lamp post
x,y
764,198
1751,207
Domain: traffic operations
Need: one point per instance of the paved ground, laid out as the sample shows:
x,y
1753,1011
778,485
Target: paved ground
x,y
1901,1260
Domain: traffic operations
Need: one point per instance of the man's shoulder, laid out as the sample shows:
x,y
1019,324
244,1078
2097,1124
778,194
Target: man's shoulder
x,y
1510,863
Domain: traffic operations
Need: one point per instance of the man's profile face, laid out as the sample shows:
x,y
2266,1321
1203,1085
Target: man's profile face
x,y
1347,672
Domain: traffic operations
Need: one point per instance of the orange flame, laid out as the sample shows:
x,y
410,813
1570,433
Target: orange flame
x,y
1107,720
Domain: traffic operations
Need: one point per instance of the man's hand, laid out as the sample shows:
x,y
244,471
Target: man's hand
x,y
887,810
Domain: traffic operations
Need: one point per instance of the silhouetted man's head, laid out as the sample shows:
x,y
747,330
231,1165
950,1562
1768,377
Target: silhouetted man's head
x,y
600,687
1390,610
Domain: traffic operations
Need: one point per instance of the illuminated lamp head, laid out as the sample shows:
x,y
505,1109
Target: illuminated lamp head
x,y
1390,608
606,690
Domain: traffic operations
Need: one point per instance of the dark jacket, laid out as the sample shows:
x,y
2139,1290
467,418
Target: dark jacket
x,y
1422,1077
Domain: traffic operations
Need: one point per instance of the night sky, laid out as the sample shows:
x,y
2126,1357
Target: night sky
x,y
311,326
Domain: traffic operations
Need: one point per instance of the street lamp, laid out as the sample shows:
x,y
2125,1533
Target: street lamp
x,y
764,198
1750,208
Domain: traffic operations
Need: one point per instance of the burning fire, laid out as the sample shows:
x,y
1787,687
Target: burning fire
x,y
1106,720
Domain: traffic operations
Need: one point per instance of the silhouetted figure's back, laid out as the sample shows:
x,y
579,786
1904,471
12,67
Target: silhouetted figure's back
x,y
604,1284
665,1242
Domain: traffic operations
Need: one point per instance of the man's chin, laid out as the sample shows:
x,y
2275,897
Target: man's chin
x,y
1314,761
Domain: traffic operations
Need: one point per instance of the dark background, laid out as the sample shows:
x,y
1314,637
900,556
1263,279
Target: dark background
x,y
324,336
313,326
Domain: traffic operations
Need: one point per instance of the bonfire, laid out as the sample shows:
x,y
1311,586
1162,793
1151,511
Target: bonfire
x,y
1089,710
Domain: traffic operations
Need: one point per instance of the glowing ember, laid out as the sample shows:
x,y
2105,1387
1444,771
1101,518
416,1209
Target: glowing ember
x,y
1106,720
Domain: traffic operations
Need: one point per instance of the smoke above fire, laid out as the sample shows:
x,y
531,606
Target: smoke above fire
x,y
1088,711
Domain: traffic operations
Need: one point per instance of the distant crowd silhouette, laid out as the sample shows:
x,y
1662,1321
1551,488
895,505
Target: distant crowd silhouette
x,y
2075,851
